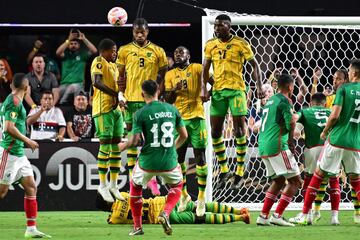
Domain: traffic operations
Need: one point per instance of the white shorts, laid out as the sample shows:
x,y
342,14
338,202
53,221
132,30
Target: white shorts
x,y
141,177
13,168
311,159
332,157
283,164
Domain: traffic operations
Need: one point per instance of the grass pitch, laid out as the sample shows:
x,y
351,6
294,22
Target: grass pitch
x,y
92,225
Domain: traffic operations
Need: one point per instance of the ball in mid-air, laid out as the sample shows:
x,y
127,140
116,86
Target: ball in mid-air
x,y
117,16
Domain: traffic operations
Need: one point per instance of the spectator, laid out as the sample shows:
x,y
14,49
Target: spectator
x,y
79,123
46,121
73,64
5,79
42,46
40,80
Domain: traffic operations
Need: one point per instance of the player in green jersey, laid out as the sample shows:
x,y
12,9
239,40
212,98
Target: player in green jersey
x,y
14,165
343,141
276,149
156,121
314,120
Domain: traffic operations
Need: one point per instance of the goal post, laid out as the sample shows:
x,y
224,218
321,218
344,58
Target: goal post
x,y
304,43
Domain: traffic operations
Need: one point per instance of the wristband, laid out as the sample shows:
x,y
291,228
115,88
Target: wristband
x,y
33,106
121,97
35,49
67,41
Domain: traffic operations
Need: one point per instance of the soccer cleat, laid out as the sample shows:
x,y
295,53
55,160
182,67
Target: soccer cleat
x,y
200,208
184,200
295,219
165,222
280,221
223,179
153,186
246,217
136,231
244,211
34,233
263,221
238,183
115,192
316,215
300,219
105,193
334,221
356,219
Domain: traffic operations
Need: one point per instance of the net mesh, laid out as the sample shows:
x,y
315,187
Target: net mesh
x,y
281,49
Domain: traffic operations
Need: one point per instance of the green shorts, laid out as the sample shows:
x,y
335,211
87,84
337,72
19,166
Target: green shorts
x,y
132,107
185,217
109,125
197,134
223,99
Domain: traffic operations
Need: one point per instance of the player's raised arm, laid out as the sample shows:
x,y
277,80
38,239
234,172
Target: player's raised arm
x,y
256,75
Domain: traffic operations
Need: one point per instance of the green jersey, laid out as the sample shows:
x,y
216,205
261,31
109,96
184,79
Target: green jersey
x,y
157,121
314,120
13,110
275,125
346,132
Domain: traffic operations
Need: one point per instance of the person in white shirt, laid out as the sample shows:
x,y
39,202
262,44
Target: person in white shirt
x,y
46,120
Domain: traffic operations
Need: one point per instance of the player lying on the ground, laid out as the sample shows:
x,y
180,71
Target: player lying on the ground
x,y
216,213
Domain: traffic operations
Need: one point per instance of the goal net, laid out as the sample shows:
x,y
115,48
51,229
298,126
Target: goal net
x,y
304,43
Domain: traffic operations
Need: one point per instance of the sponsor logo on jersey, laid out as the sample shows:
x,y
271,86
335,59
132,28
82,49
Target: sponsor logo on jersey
x,y
13,115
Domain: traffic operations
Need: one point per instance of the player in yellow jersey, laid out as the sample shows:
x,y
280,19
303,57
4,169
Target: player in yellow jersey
x,y
228,54
141,60
182,87
107,117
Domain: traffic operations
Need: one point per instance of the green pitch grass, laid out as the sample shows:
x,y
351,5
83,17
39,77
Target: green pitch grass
x,y
92,225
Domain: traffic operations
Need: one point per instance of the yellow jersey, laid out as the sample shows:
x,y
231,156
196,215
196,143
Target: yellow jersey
x,y
103,102
121,211
141,63
330,100
228,59
188,100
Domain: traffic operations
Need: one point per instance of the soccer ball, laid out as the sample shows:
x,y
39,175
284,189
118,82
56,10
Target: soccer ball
x,y
117,16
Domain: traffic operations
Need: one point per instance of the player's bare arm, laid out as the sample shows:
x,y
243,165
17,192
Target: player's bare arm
x,y
99,84
204,80
122,85
183,135
334,116
11,129
256,75
133,141
161,78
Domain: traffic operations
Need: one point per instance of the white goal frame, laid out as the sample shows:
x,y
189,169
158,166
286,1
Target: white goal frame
x,y
313,21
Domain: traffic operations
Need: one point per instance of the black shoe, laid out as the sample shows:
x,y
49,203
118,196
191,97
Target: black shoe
x,y
165,222
223,179
238,182
136,231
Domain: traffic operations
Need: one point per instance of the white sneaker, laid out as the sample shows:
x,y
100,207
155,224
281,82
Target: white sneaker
x,y
115,192
356,219
300,219
334,221
34,233
316,215
183,202
200,208
105,193
262,221
280,221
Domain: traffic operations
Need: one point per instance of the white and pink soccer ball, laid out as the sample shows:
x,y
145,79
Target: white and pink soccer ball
x,y
117,16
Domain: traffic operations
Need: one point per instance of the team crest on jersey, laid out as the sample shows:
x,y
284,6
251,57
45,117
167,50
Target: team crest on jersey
x,y
13,115
228,46
99,66
148,54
